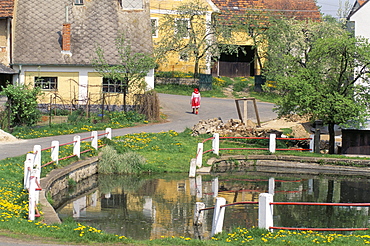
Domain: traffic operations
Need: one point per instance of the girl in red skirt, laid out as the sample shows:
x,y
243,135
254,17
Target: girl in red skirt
x,y
195,101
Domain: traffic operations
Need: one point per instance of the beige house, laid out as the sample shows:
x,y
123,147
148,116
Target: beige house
x,y
6,19
56,41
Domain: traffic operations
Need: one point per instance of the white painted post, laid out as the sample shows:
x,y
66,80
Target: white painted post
x,y
77,146
199,155
271,186
193,168
32,196
215,187
216,143
28,165
198,215
265,211
218,216
272,146
55,151
192,185
109,133
94,141
312,143
198,183
37,160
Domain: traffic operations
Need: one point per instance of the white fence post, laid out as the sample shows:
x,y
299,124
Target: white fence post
x,y
271,186
193,168
272,146
199,155
55,151
312,143
108,132
215,187
32,195
216,143
218,216
77,146
37,160
265,211
28,166
198,215
94,141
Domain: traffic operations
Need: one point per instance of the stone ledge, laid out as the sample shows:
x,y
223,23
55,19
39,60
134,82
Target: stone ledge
x,y
50,216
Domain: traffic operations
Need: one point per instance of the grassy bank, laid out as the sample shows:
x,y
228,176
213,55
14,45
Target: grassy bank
x,y
165,152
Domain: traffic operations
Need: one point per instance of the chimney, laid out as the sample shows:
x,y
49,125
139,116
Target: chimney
x,y
66,35
66,38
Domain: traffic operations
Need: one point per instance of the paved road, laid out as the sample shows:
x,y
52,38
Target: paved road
x,y
178,110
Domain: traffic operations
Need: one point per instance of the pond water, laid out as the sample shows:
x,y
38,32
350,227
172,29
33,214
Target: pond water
x,y
148,207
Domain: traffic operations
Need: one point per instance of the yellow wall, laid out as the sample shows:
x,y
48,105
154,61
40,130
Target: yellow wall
x,y
67,86
3,41
173,60
68,89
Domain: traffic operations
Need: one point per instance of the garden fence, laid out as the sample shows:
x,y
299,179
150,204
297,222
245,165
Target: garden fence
x,y
32,165
265,213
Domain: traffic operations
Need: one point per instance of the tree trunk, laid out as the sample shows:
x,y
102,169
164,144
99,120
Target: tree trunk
x,y
331,138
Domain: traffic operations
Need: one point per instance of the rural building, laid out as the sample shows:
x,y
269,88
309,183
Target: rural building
x,y
56,41
6,19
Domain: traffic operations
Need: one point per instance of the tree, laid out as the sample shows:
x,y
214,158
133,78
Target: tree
x,y
188,33
320,71
131,70
22,102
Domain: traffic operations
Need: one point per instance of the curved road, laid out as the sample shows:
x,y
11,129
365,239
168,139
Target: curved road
x,y
176,107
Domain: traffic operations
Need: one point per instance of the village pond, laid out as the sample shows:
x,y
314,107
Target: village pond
x,y
150,207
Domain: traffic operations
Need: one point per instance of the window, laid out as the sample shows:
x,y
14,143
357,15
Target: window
x,y
47,83
184,56
182,27
113,86
132,4
154,22
79,2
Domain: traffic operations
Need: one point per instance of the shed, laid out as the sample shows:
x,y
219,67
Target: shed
x,y
356,140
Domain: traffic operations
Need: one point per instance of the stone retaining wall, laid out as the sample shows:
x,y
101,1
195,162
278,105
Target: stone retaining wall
x,y
58,179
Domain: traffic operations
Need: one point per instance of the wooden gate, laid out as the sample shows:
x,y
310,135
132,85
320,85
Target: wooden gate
x,y
231,69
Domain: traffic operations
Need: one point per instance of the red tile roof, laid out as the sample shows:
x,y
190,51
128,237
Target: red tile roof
x,y
6,8
299,9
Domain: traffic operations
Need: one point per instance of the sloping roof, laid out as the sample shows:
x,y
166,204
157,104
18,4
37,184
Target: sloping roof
x,y
6,8
6,70
356,6
38,31
299,9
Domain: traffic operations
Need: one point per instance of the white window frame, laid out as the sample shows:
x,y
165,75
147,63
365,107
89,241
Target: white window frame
x,y
46,83
156,19
182,19
128,7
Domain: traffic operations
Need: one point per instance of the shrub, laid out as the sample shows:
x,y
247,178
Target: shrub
x,y
112,162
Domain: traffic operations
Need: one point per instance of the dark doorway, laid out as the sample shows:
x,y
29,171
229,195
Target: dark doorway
x,y
239,64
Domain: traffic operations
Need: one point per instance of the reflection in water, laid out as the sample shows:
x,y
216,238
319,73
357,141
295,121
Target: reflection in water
x,y
148,207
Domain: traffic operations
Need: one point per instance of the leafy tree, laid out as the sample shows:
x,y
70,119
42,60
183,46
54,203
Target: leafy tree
x,y
188,33
22,101
132,67
320,71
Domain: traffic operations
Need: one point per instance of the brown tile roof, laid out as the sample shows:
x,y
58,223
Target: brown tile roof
x,y
6,8
299,9
38,31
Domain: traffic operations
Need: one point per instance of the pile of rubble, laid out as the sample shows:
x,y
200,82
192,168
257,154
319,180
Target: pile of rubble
x,y
233,127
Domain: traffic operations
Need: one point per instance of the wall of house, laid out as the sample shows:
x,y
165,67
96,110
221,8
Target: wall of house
x,y
361,19
4,41
158,9
76,85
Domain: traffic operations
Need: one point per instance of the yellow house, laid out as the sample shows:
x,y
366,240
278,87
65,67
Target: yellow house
x,y
164,10
55,43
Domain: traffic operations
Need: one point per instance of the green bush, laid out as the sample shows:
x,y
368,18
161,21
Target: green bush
x,y
22,101
112,162
173,74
